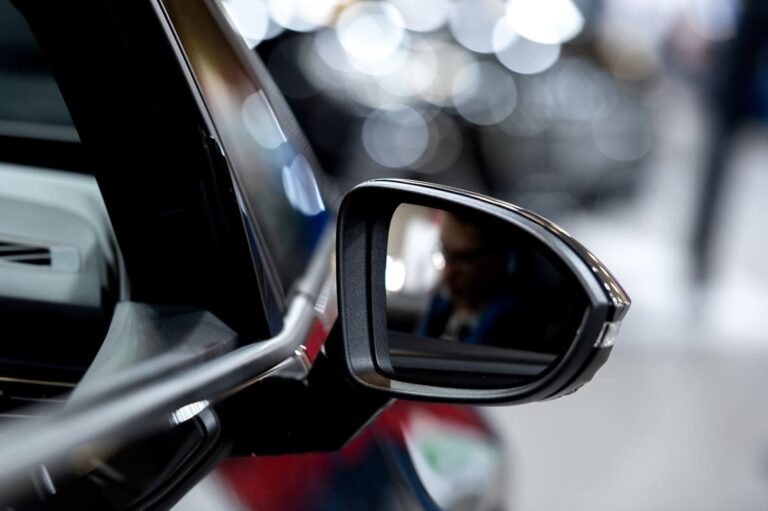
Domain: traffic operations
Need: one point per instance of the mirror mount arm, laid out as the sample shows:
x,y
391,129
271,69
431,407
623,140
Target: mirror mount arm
x,y
318,414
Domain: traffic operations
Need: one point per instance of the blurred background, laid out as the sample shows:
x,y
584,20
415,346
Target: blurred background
x,y
637,125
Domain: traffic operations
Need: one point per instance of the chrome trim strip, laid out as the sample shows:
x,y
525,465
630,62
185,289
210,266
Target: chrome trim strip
x,y
5,415
37,382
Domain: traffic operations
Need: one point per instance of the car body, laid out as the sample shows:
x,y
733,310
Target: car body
x,y
202,254
61,190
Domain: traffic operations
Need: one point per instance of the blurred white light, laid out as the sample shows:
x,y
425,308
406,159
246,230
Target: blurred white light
x,y
484,93
47,480
533,113
369,93
389,64
303,15
472,21
714,20
370,31
395,137
451,59
251,18
328,67
260,121
185,413
273,30
415,72
438,261
395,275
580,91
423,15
319,73
522,55
301,188
328,48
545,21
624,134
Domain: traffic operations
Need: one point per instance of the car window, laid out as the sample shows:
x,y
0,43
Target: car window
x,y
31,105
273,167
59,265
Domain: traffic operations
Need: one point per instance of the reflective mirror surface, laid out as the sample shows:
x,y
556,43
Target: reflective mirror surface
x,y
475,300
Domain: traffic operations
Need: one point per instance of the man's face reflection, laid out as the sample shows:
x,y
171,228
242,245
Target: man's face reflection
x,y
474,269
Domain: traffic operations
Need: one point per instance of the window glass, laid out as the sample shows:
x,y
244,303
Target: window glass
x,y
30,102
273,167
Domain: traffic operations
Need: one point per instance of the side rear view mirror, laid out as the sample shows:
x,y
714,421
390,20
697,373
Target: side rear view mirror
x,y
449,295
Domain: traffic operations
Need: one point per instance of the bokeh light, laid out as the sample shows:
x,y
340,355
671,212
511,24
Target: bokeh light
x,y
251,18
303,15
327,47
545,21
438,260
520,54
713,20
484,93
452,59
301,188
532,115
471,22
370,31
414,74
395,274
577,91
261,122
624,134
396,137
423,15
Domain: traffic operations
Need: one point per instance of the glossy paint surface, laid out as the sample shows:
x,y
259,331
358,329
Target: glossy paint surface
x,y
413,456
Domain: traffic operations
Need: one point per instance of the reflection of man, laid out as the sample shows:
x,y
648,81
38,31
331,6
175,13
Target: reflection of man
x,y
475,303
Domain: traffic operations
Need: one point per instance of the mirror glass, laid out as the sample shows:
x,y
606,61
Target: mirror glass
x,y
474,300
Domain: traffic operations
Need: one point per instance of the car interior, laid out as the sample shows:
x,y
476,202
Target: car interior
x,y
60,268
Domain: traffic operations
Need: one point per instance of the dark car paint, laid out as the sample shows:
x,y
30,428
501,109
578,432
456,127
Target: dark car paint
x,y
376,470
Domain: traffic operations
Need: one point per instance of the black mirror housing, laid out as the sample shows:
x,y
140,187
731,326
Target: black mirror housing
x,y
362,239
